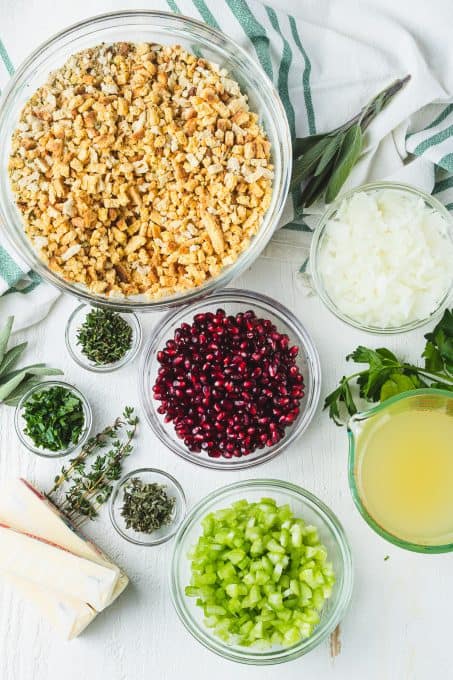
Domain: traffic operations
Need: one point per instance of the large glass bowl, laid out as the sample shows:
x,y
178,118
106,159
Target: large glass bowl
x,y
232,301
164,28
305,506
319,239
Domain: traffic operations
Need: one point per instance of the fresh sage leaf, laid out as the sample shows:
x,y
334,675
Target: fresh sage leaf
x,y
11,357
17,394
333,154
306,163
14,382
350,151
303,144
5,335
330,151
313,188
8,387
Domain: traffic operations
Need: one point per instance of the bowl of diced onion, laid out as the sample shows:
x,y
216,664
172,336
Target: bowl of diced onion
x,y
381,257
261,572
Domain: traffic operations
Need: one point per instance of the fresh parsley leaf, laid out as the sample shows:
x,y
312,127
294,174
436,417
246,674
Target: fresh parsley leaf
x,y
386,375
438,351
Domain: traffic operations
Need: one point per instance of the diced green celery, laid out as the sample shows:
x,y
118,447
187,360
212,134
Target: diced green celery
x,y
316,552
205,579
210,621
246,627
235,556
226,572
291,636
318,598
311,535
284,614
214,610
233,589
240,505
275,547
191,591
275,600
326,591
268,501
249,579
260,575
285,538
257,547
284,581
296,535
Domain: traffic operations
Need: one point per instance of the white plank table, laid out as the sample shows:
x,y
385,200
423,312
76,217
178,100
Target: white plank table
x,y
400,620
399,624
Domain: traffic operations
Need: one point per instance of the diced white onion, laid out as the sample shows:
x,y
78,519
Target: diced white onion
x,y
386,258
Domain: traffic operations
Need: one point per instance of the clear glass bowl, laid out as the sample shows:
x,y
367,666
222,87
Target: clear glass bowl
x,y
317,244
304,505
164,28
423,399
76,320
19,422
232,301
173,489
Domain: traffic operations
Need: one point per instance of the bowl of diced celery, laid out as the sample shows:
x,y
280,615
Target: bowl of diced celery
x,y
261,572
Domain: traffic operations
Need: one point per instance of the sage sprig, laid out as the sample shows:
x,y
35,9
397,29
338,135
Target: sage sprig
x,y
15,382
322,163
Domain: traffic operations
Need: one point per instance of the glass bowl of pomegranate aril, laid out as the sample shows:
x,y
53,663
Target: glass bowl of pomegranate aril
x,y
229,381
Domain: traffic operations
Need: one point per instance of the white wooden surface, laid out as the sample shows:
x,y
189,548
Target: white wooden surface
x,y
400,620
398,626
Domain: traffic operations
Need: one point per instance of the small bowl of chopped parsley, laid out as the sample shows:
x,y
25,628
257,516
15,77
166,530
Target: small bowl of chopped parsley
x,y
53,419
147,506
102,340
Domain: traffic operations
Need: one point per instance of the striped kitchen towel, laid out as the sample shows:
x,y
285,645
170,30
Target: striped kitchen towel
x,y
326,63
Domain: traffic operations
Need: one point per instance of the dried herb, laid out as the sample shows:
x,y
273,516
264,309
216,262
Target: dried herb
x,y
387,376
322,163
54,418
104,336
146,507
91,486
14,383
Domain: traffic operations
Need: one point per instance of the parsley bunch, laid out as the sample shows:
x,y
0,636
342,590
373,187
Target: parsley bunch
x,y
387,376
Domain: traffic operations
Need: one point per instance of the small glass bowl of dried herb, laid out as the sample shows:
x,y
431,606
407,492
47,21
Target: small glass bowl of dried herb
x,y
53,419
147,506
102,340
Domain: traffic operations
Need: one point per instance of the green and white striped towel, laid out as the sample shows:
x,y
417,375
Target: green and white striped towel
x,y
326,62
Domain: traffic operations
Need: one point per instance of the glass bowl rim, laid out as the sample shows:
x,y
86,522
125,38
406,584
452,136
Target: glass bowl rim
x,y
87,410
181,500
160,333
128,357
321,631
356,496
281,150
316,246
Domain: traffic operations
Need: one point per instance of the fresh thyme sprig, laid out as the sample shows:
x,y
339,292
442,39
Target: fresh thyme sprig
x,y
322,163
90,487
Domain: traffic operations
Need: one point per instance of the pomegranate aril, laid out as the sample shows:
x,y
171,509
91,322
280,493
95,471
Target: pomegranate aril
x,y
229,384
